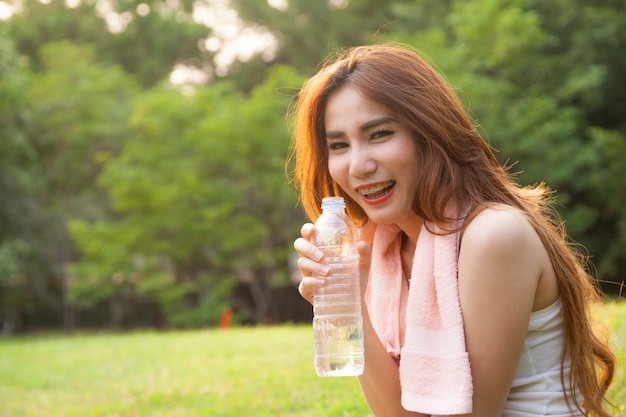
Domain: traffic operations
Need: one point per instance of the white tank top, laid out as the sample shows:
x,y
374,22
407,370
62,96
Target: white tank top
x,y
536,389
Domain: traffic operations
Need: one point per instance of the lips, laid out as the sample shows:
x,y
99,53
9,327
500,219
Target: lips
x,y
376,191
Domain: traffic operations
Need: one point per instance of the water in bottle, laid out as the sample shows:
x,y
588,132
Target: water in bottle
x,y
337,322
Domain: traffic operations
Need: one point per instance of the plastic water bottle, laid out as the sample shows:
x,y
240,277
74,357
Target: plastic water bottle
x,y
337,322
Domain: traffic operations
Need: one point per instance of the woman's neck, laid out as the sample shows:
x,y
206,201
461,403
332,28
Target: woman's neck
x,y
411,231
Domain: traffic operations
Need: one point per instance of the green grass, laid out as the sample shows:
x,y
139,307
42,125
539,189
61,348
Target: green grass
x,y
239,372
265,371
613,316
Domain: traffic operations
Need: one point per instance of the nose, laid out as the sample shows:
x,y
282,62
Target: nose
x,y
362,162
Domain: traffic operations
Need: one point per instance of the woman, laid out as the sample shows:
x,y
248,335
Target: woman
x,y
382,129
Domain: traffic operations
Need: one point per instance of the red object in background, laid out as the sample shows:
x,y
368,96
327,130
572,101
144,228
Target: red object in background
x,y
227,316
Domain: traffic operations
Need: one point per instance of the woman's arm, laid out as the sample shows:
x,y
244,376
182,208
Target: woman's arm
x,y
380,381
500,265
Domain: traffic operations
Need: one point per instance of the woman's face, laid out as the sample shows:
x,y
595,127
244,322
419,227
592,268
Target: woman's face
x,y
372,156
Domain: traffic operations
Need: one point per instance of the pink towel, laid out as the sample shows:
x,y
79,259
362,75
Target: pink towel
x,y
435,372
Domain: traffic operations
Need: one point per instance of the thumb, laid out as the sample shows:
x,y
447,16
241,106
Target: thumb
x,y
365,260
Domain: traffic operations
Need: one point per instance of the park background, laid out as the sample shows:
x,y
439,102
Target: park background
x,y
143,143
144,194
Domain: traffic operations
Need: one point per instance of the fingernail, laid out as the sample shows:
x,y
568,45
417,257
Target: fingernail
x,y
319,255
325,270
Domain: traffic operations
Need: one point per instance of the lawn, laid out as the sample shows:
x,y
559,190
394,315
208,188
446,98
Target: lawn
x,y
262,371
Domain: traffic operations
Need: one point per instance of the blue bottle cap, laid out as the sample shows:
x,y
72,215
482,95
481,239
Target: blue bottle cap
x,y
333,201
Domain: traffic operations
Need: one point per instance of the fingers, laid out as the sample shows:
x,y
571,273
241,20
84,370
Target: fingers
x,y
314,272
308,286
310,266
306,249
308,231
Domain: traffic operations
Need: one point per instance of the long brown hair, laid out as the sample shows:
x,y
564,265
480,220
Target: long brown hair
x,y
455,166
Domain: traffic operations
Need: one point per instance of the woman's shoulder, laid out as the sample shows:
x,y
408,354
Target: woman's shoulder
x,y
500,228
500,240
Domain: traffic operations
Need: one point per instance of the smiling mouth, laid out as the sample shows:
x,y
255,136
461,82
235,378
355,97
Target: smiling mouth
x,y
377,191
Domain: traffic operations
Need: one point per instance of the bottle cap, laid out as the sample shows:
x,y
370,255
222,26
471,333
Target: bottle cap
x,y
333,201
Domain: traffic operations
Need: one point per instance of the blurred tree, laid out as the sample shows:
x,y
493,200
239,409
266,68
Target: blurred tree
x,y
70,115
202,203
588,68
544,79
544,82
307,31
15,187
147,38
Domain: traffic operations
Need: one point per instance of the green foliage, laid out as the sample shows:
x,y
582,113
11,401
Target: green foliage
x,y
13,185
152,44
608,151
212,296
74,113
146,38
533,83
119,190
201,199
59,119
14,291
308,31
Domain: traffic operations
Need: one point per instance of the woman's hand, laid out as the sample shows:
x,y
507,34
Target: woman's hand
x,y
312,268
313,271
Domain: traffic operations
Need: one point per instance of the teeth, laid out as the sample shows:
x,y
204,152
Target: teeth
x,y
376,188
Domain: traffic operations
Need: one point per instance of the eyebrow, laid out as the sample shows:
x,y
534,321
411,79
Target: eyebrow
x,y
364,127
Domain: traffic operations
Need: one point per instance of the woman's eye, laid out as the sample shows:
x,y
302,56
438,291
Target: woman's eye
x,y
334,146
380,133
